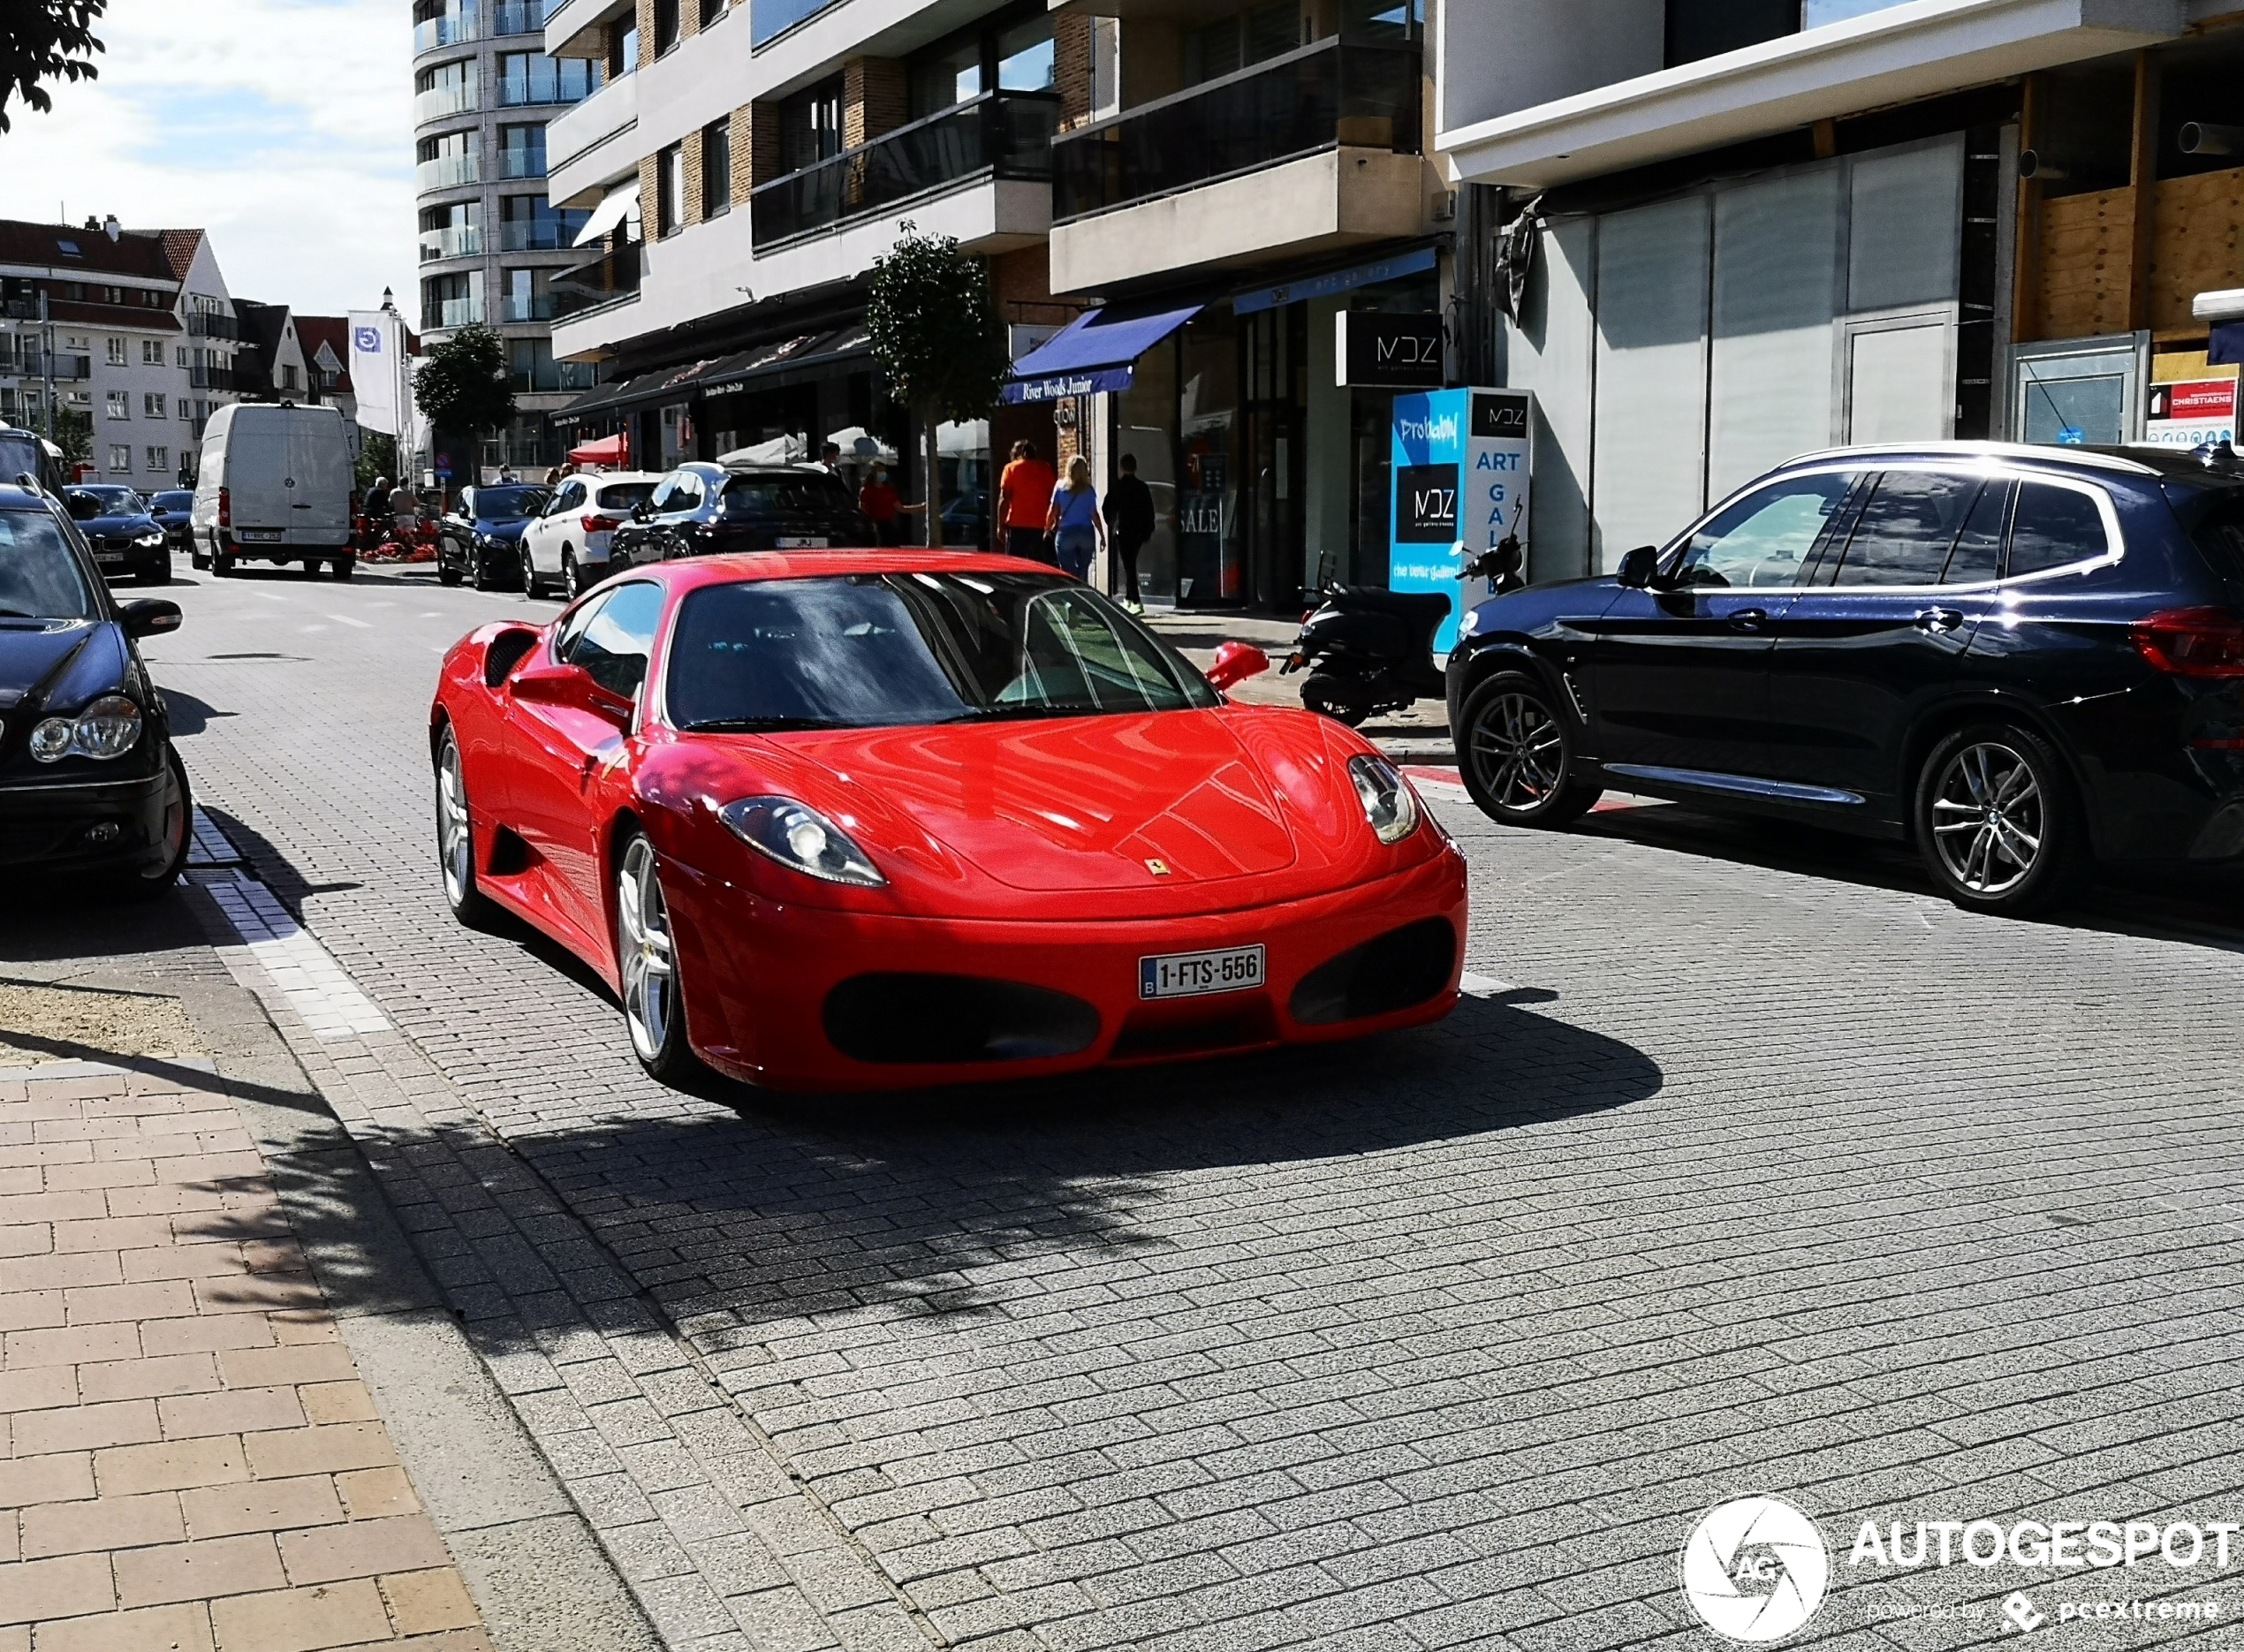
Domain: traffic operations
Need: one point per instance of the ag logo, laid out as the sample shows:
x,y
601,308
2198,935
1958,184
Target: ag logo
x,y
1756,1569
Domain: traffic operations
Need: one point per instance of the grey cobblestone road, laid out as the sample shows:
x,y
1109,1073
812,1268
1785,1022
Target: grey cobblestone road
x,y
1769,1172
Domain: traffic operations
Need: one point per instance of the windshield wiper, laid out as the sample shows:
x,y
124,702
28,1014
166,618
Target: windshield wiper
x,y
1008,714
761,725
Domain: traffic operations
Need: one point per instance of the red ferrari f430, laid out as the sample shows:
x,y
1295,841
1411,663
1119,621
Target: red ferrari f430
x,y
863,820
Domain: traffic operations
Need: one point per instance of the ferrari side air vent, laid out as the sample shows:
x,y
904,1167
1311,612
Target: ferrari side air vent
x,y
1403,967
899,1020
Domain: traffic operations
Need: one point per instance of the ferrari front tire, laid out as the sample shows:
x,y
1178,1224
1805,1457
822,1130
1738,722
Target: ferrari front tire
x,y
456,838
647,961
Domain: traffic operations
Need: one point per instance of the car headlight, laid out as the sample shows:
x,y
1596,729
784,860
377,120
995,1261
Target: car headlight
x,y
1389,804
798,835
107,729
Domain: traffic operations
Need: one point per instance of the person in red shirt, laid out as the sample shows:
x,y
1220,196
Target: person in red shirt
x,y
886,509
1025,504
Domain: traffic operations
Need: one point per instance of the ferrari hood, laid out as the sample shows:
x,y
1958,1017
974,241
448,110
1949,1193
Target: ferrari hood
x,y
1121,802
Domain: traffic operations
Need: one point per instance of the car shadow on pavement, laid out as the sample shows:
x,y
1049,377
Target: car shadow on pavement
x,y
190,716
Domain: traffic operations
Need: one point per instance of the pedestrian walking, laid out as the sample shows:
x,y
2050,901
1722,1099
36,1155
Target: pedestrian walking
x,y
1078,530
1130,522
884,507
1024,503
377,503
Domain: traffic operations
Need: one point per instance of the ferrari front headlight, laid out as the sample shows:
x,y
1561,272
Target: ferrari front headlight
x,y
1389,803
798,836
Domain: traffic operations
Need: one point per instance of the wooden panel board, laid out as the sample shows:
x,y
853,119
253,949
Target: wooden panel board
x,y
2197,244
2086,257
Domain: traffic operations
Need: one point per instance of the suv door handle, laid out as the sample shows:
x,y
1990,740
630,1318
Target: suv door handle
x,y
1749,620
1939,619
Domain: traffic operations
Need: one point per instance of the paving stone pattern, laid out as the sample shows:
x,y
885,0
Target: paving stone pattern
x,y
1761,1180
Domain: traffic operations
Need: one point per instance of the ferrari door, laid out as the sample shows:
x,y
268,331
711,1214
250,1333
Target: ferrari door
x,y
567,717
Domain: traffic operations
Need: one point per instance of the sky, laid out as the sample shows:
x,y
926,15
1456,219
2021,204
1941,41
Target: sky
x,y
283,128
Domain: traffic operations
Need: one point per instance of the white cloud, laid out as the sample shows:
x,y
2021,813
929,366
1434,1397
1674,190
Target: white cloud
x,y
283,128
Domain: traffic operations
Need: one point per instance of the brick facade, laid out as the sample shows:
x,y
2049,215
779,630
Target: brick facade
x,y
747,171
691,207
1072,68
876,97
765,155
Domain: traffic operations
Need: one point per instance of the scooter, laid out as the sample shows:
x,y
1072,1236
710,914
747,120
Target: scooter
x,y
1369,650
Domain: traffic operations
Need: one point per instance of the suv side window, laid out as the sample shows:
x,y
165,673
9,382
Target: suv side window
x,y
1978,555
1769,537
664,496
1907,529
689,497
2053,526
570,498
617,635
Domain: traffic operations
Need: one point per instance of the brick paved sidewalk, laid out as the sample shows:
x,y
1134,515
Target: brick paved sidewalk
x,y
191,1460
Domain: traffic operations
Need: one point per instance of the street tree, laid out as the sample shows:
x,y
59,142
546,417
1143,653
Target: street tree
x,y
43,41
935,332
466,389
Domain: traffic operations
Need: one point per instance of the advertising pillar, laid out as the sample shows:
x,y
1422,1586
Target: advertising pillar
x,y
1462,462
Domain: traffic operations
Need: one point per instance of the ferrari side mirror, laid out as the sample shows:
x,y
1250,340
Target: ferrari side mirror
x,y
1235,663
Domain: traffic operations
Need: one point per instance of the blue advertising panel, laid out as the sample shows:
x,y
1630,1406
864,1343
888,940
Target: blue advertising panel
x,y
1462,458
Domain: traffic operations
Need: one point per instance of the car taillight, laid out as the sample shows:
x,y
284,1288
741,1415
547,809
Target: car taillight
x,y
599,524
225,507
2192,641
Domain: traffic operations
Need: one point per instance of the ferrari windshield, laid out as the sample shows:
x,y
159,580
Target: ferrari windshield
x,y
40,577
872,650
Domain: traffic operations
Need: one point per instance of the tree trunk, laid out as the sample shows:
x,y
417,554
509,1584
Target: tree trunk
x,y
933,454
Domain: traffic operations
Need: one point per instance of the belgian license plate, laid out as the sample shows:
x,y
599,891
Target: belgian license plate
x,y
259,536
1198,974
802,545
109,555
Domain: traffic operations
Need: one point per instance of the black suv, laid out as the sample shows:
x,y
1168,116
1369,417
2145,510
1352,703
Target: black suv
x,y
702,509
2023,660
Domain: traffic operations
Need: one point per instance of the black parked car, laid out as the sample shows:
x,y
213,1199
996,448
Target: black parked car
x,y
88,778
480,539
119,530
174,512
699,509
2023,660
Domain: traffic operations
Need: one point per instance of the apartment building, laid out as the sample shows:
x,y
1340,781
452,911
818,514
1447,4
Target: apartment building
x,y
133,330
491,238
1761,226
325,343
271,365
1203,186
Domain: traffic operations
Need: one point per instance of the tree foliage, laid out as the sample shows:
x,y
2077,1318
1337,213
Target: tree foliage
x,y
934,330
73,432
41,40
377,457
465,386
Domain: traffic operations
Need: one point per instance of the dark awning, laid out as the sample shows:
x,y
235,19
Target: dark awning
x,y
1096,351
600,398
720,376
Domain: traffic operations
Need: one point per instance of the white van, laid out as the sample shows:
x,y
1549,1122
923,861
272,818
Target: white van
x,y
274,486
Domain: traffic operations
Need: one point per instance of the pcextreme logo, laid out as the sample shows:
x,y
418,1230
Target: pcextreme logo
x,y
1756,1569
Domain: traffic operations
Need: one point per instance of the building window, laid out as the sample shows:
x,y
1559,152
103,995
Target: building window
x,y
159,461
667,31
289,379
447,89
151,353
183,355
623,45
524,297
717,168
117,352
531,77
120,459
531,223
670,190
713,11
120,404
152,405
810,126
453,300
521,151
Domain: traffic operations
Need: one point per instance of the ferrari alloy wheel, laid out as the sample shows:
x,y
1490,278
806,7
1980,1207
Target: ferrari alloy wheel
x,y
1515,755
1995,821
647,952
456,838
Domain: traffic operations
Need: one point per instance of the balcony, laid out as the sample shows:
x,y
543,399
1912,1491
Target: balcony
x,y
210,324
519,17
768,19
444,313
456,27
613,277
539,235
448,171
514,306
545,80
63,369
213,378
998,135
583,153
457,240
440,101
1337,94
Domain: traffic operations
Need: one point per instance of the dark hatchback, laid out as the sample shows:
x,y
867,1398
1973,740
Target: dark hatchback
x,y
2022,660
700,509
88,778
482,540
123,536
173,512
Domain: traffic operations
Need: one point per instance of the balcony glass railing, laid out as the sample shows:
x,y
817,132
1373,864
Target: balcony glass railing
x,y
449,171
518,306
539,235
451,29
521,162
455,240
609,278
440,101
208,324
545,375
1342,92
545,80
1000,134
451,313
519,17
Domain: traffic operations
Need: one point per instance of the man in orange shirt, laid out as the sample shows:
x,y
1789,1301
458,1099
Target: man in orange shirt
x,y
1025,504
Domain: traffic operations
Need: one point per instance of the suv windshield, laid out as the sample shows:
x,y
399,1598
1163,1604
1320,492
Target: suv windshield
x,y
873,650
765,495
40,576
508,505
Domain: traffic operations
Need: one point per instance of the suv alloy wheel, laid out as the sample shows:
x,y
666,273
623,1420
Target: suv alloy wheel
x,y
1995,820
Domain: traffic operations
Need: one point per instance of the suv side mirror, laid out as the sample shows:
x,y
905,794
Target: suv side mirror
x,y
1638,567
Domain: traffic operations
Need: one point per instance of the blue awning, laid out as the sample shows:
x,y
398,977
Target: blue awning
x,y
1097,350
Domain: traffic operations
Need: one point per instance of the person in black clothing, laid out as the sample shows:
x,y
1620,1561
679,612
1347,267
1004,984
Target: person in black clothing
x,y
1129,522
